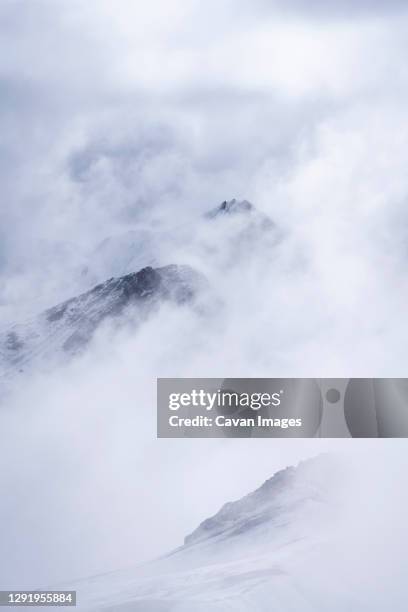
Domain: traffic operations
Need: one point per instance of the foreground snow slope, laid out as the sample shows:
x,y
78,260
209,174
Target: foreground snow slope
x,y
248,557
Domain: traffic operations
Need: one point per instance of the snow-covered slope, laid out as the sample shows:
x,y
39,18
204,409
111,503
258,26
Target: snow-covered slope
x,y
246,558
65,329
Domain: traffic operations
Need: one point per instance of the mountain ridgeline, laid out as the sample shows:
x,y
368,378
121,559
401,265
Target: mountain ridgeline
x,y
64,330
68,327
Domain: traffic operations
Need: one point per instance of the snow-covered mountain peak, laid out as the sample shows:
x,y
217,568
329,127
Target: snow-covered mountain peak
x,y
232,207
241,208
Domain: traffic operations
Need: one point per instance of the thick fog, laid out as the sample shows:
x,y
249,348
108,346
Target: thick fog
x,y
121,120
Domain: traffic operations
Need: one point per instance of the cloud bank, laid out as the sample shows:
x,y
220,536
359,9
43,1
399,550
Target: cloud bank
x,y
128,118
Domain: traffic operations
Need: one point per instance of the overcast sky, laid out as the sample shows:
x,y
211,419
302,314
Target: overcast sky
x,y
119,114
111,109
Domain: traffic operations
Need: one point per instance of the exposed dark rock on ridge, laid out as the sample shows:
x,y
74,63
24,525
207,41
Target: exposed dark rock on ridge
x,y
170,282
69,326
240,208
232,207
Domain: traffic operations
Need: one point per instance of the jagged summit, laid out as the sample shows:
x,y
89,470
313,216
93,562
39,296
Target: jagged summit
x,y
242,209
231,207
